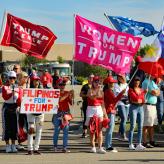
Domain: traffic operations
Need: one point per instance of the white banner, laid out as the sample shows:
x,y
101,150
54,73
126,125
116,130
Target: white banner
x,y
40,101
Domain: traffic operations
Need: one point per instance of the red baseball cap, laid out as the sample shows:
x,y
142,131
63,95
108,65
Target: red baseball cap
x,y
96,78
110,79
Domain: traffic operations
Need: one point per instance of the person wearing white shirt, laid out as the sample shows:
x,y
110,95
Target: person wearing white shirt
x,y
122,105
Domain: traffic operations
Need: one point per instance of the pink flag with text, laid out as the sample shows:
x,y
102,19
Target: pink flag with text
x,y
99,45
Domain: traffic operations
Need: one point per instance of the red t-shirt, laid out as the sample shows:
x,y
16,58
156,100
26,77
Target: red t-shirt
x,y
64,104
46,79
111,100
95,102
134,96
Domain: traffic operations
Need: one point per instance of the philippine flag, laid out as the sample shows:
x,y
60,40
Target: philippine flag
x,y
154,52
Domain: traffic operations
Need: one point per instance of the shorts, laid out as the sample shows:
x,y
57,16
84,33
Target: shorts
x,y
150,115
91,111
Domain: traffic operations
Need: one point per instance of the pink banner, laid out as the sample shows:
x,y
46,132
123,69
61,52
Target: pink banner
x,y
99,45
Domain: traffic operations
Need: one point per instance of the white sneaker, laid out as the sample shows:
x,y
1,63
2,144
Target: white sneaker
x,y
101,151
20,147
13,148
8,149
131,147
125,138
93,150
140,147
112,149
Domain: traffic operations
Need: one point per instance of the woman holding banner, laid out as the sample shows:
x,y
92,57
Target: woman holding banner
x,y
23,82
34,120
61,120
110,101
12,96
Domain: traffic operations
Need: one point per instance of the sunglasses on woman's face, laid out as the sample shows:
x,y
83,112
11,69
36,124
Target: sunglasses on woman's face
x,y
97,81
61,84
12,78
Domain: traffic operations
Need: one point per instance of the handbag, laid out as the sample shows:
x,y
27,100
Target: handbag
x,y
68,117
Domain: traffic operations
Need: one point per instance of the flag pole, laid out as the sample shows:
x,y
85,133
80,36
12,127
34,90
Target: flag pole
x,y
162,22
109,21
133,76
2,27
73,62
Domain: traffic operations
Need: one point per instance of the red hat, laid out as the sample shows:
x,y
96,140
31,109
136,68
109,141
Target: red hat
x,y
96,78
138,59
110,79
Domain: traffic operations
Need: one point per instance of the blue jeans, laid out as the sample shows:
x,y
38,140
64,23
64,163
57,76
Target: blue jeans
x,y
123,112
109,131
136,114
160,108
57,123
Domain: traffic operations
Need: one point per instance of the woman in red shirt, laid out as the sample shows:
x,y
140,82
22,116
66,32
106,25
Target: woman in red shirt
x,y
110,101
61,120
95,109
137,99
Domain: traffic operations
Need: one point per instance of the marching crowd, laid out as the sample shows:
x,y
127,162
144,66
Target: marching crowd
x,y
141,101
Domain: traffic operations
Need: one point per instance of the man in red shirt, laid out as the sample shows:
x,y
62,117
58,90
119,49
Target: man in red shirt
x,y
46,79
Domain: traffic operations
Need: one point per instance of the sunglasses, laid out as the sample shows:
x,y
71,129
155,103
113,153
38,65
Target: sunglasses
x,y
62,84
96,81
136,80
12,77
16,68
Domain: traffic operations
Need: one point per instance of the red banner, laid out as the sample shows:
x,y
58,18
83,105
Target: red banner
x,y
28,38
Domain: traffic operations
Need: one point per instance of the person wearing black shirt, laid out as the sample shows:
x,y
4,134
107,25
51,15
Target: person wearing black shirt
x,y
55,77
83,94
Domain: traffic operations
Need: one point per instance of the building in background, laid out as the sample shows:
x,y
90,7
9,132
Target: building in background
x,y
9,56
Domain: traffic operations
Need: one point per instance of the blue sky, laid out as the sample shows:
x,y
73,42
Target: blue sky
x,y
58,14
